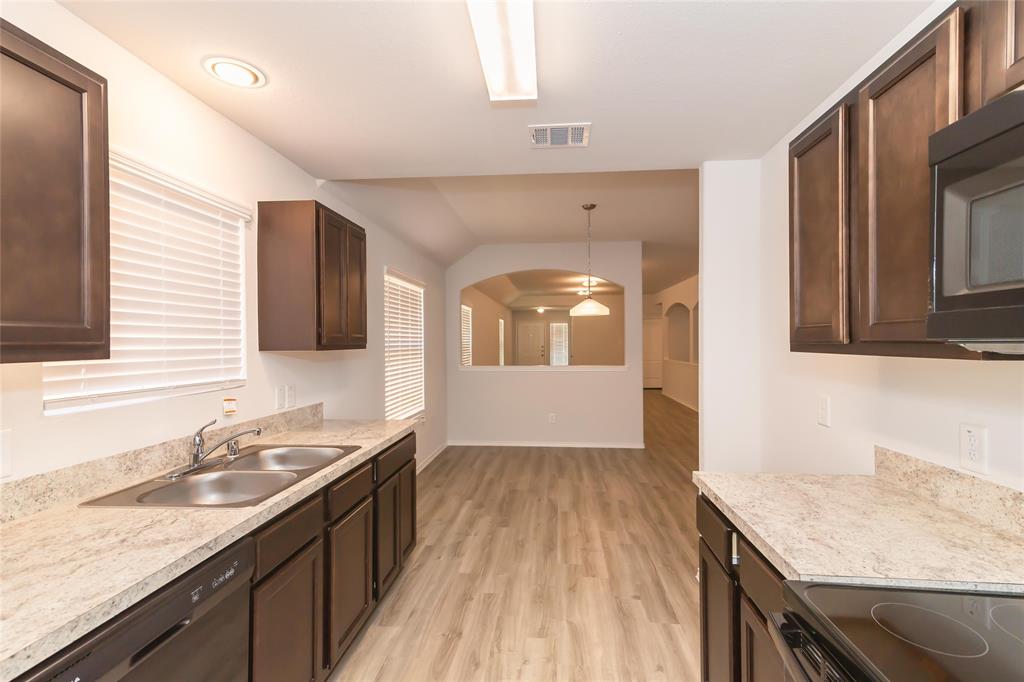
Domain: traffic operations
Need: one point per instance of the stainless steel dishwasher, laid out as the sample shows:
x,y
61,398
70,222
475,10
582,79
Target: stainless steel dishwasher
x,y
196,628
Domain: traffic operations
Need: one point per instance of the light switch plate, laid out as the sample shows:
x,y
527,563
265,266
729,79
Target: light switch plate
x,y
289,395
825,411
974,448
279,397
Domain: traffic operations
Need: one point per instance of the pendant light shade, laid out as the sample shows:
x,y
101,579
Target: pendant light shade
x,y
588,307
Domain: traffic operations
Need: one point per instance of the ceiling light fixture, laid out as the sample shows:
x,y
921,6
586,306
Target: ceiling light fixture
x,y
588,307
234,72
541,310
505,42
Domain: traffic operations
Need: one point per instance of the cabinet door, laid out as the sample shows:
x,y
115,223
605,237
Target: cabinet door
x,y
407,509
332,238
389,553
287,620
819,208
350,582
1014,32
54,205
718,612
759,660
916,95
355,286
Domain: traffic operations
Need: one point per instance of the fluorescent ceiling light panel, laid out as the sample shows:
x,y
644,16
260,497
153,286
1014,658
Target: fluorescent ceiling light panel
x,y
508,53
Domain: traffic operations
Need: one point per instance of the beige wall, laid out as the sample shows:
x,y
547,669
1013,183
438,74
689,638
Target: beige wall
x,y
600,340
486,313
680,376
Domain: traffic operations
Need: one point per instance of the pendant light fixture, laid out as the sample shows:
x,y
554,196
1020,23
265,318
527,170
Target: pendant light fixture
x,y
588,307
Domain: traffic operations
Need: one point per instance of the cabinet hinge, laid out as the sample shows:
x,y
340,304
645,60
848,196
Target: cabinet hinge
x,y
735,548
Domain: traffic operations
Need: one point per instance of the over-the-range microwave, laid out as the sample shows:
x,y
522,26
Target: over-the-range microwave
x,y
978,228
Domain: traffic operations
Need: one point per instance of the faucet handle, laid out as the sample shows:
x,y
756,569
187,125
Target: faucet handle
x,y
197,437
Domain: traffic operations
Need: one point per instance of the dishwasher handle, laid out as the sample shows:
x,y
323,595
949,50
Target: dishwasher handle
x,y
158,641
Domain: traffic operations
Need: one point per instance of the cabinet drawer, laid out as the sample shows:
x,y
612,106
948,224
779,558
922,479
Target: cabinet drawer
x,y
392,459
716,531
346,494
283,538
759,579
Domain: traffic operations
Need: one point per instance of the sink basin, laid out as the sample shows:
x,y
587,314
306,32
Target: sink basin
x,y
287,458
219,488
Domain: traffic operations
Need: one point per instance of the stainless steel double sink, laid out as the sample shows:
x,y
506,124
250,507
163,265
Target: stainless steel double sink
x,y
257,473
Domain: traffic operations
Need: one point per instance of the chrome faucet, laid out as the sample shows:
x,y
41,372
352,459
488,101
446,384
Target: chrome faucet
x,y
200,452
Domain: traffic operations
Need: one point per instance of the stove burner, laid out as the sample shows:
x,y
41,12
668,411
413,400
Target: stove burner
x,y
1010,619
930,630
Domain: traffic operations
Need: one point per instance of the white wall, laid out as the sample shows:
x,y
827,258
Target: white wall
x,y
680,379
594,406
158,123
907,404
730,274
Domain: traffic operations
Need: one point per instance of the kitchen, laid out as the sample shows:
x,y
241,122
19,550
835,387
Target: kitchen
x,y
391,490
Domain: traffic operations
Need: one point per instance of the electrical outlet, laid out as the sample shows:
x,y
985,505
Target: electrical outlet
x,y
279,397
552,417
825,411
289,395
974,448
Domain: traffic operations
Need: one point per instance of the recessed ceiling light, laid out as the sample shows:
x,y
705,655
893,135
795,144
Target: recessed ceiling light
x,y
591,281
505,41
234,72
541,310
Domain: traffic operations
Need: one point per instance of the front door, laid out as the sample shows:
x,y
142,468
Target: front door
x,y
530,347
653,353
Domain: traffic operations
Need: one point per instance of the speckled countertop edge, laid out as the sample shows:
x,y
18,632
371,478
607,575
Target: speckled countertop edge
x,y
858,529
65,571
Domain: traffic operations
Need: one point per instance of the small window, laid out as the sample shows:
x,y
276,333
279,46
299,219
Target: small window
x,y
559,333
404,395
466,357
501,342
176,300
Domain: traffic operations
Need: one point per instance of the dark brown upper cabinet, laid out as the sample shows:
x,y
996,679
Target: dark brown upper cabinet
x,y
311,267
918,93
819,210
54,205
994,57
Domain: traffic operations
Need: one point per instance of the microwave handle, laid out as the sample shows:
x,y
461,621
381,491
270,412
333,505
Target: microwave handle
x,y
777,627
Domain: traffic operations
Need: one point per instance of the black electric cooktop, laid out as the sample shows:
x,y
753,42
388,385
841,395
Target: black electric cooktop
x,y
898,635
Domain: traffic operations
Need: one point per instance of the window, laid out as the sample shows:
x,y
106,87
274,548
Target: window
x,y
501,342
559,333
176,273
403,348
466,356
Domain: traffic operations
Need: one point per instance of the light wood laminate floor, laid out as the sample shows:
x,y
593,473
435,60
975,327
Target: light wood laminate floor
x,y
548,563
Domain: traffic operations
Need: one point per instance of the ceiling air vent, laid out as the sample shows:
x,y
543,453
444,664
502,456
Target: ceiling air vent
x,y
560,135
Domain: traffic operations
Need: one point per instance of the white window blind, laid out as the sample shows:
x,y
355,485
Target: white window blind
x,y
466,356
176,273
559,332
403,348
501,341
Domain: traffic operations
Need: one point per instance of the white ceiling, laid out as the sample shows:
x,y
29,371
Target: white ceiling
x,y
394,89
447,217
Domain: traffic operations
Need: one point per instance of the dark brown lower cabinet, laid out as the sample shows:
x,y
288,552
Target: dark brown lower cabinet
x,y
407,509
350,583
389,553
718,611
287,620
759,660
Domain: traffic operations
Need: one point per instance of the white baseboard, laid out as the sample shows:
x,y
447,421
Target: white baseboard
x,y
545,444
422,462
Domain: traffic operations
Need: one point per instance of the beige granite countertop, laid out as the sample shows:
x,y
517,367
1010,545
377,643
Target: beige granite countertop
x,y
865,530
67,570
